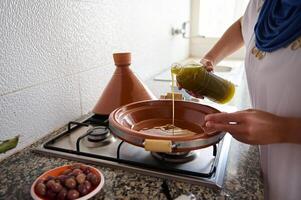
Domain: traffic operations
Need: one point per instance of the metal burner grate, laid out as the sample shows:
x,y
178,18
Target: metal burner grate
x,y
170,169
124,155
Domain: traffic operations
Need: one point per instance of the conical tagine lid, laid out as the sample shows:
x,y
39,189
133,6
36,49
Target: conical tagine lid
x,y
123,88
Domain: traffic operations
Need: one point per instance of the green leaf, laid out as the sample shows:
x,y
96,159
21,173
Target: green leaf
x,y
9,144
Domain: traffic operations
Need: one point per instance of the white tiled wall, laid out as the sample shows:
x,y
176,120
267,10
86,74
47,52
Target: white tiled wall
x,y
92,83
56,56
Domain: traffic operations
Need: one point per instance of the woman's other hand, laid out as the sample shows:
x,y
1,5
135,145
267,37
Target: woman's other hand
x,y
255,127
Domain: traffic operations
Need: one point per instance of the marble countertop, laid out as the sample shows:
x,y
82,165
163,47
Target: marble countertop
x,y
243,179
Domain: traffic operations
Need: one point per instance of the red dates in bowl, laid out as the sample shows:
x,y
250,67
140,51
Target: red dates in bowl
x,y
77,181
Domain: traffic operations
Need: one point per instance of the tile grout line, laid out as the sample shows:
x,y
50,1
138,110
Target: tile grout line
x,y
47,81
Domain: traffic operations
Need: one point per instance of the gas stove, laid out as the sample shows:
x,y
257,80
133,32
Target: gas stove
x,y
90,140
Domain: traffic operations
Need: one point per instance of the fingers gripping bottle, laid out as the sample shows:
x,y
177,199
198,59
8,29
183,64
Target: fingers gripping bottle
x,y
195,78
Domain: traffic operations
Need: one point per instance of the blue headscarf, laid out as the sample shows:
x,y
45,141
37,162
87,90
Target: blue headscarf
x,y
278,24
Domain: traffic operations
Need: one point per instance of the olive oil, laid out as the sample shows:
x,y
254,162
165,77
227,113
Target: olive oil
x,y
168,129
173,101
195,78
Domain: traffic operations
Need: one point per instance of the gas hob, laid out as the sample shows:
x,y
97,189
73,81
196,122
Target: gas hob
x,y
90,140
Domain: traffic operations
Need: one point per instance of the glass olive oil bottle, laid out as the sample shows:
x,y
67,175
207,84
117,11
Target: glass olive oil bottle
x,y
195,78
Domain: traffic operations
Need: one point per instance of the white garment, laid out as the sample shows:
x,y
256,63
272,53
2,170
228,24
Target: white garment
x,y
275,86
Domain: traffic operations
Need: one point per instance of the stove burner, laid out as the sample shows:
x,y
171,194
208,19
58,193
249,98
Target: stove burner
x,y
98,136
98,133
179,157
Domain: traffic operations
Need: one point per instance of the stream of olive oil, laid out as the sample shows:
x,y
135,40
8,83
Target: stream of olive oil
x,y
169,129
173,101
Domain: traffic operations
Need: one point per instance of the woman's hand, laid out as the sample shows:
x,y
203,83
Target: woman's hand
x,y
256,127
208,64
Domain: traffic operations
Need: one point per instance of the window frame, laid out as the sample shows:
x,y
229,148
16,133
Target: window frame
x,y
200,45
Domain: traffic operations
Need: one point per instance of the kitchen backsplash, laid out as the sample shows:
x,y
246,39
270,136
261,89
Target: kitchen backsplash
x,y
56,56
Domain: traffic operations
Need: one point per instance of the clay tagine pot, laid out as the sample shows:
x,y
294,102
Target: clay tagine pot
x,y
129,121
124,87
